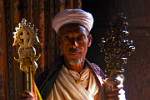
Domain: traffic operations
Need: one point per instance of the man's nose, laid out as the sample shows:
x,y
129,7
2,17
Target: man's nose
x,y
74,43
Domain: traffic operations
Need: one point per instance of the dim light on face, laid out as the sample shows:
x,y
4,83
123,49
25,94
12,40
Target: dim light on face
x,y
74,43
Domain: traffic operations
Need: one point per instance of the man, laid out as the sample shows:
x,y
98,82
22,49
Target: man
x,y
73,77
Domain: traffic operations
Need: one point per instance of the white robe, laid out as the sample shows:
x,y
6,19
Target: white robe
x,y
71,85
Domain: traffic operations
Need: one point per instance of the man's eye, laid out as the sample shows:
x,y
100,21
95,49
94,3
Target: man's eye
x,y
80,38
66,37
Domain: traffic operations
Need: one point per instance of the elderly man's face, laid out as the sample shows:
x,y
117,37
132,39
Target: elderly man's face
x,y
74,43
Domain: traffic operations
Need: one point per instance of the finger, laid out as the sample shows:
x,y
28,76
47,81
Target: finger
x,y
29,93
113,93
113,98
26,94
112,89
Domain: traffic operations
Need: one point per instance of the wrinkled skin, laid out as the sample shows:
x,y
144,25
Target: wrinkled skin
x,y
74,41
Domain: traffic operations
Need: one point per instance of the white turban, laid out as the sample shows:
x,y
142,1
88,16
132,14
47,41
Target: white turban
x,y
73,16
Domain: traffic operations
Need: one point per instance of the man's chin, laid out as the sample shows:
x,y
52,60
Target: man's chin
x,y
74,57
75,62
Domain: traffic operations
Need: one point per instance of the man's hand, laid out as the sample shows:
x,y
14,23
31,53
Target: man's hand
x,y
112,94
27,96
111,89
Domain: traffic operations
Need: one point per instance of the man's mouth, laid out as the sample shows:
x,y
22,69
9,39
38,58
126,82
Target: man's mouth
x,y
74,50
74,53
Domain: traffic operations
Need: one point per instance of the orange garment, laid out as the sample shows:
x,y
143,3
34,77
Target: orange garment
x,y
36,92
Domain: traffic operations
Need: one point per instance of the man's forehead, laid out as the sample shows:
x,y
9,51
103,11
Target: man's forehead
x,y
73,29
73,34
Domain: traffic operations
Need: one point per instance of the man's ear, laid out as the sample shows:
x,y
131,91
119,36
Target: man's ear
x,y
90,39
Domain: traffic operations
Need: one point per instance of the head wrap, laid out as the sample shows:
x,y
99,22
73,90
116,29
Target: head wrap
x,y
73,16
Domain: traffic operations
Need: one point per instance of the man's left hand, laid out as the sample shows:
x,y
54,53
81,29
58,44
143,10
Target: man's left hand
x,y
111,89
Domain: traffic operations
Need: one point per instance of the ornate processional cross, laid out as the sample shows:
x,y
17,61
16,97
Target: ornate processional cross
x,y
26,38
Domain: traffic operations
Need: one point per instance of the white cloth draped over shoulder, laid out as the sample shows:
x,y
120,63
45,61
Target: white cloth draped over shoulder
x,y
71,85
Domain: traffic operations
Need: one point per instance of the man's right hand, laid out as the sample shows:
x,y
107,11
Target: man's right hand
x,y
27,96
